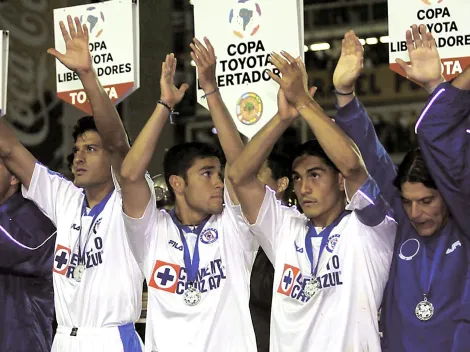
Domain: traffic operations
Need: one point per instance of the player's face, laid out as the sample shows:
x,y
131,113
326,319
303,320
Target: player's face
x,y
91,165
424,206
317,186
204,188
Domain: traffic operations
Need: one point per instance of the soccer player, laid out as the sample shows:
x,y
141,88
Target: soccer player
x,y
197,258
331,264
274,173
426,302
97,282
26,249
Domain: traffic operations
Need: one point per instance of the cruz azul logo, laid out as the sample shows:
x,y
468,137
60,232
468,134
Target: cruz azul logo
x,y
172,278
65,261
293,282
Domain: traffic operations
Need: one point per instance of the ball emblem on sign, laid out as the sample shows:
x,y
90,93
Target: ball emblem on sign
x,y
244,18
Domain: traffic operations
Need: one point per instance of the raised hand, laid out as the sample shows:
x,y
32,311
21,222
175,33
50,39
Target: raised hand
x,y
287,111
206,63
425,67
77,56
169,93
294,78
350,64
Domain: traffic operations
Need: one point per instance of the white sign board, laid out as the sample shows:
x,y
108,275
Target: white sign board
x,y
446,19
114,45
4,49
244,33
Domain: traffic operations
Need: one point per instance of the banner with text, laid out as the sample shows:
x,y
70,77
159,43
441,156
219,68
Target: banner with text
x,y
244,33
446,19
4,50
114,45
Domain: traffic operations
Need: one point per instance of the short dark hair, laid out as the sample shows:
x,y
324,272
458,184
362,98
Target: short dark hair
x,y
280,165
181,157
313,148
413,169
87,123
84,124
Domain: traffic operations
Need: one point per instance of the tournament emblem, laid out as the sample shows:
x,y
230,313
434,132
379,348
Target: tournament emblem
x,y
165,276
249,108
94,19
61,260
209,236
288,279
245,18
332,242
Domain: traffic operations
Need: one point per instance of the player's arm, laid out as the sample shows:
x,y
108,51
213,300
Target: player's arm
x,y
136,192
442,133
353,119
259,205
108,123
227,133
337,145
243,172
18,160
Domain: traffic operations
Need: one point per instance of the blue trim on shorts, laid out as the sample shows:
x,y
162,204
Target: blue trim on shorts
x,y
130,339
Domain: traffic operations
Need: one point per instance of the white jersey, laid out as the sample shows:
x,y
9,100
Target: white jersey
x,y
352,273
221,321
110,291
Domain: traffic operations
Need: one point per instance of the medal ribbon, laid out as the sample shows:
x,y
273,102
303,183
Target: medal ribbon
x,y
95,212
324,234
438,255
192,266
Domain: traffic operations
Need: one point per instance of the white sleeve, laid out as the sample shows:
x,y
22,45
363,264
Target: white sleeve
x,y
369,205
267,227
244,235
50,191
141,232
376,217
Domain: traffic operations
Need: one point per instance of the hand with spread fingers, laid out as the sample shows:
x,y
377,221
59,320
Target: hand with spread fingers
x,y
77,56
170,94
425,67
206,62
294,81
350,64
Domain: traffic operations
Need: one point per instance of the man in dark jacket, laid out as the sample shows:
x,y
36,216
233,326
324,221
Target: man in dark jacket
x,y
26,252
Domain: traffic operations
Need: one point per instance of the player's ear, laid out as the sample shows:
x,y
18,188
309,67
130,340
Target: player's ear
x,y
177,184
282,184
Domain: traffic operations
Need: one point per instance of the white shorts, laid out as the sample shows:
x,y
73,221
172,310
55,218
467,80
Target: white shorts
x,y
112,339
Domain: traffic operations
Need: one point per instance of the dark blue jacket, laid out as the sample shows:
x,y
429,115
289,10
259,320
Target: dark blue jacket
x,y
26,290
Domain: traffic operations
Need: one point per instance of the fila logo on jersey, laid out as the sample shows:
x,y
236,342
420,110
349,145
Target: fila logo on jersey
x,y
172,278
209,236
332,241
65,262
292,281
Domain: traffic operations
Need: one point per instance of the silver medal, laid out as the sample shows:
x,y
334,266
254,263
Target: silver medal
x,y
78,272
311,288
192,296
424,310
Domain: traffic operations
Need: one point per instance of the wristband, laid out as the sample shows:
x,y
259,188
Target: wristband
x,y
344,94
172,111
213,92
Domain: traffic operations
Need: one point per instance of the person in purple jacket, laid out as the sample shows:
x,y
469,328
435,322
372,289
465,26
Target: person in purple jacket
x,y
426,305
27,240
